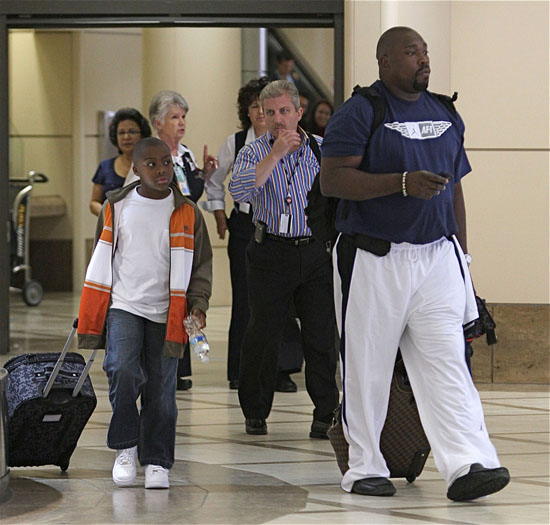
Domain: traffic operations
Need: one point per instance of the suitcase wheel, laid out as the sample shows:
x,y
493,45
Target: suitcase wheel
x,y
410,478
32,293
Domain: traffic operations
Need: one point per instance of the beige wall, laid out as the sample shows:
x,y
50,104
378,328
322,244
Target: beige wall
x,y
503,76
486,51
103,80
209,81
204,65
40,73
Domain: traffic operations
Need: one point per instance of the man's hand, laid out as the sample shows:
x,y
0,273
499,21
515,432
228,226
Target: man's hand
x,y
200,316
221,222
286,142
425,184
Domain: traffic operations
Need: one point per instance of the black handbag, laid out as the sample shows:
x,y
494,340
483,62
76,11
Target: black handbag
x,y
483,325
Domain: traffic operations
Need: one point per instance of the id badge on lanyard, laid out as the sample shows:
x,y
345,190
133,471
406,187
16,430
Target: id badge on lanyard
x,y
284,223
182,180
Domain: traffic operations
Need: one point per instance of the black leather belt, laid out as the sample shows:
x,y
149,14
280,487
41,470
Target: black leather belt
x,y
370,244
294,241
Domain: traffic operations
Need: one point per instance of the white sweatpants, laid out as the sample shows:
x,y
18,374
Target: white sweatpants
x,y
412,298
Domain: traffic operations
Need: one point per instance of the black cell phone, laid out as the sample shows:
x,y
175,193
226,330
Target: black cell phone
x,y
446,174
259,232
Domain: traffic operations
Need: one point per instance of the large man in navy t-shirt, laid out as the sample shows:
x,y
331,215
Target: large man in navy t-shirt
x,y
401,278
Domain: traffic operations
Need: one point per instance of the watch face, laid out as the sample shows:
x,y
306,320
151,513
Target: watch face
x,y
468,258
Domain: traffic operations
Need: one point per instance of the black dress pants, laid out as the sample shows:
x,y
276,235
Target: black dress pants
x,y
241,230
279,273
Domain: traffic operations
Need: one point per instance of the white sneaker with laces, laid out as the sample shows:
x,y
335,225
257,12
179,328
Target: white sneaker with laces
x,y
156,477
124,469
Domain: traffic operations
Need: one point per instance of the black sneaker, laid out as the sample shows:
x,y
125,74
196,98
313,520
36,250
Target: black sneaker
x,y
480,481
373,487
319,430
184,384
257,427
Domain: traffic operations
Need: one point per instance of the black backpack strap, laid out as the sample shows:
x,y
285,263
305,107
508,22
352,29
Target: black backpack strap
x,y
378,104
240,139
314,147
447,101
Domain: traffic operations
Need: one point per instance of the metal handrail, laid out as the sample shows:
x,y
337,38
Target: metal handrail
x,y
309,76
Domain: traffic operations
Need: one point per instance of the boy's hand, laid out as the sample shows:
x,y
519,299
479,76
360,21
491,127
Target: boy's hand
x,y
221,222
200,316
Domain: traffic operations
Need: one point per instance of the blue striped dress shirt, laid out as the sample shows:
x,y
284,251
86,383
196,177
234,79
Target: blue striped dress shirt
x,y
292,176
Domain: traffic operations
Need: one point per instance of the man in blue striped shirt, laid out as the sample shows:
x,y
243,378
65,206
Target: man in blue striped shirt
x,y
274,173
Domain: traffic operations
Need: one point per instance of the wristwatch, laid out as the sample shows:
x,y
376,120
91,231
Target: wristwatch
x,y
468,258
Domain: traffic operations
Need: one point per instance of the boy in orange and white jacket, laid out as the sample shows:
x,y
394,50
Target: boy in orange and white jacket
x,y
152,264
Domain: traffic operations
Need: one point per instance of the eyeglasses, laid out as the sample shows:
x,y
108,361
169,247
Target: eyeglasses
x,y
131,132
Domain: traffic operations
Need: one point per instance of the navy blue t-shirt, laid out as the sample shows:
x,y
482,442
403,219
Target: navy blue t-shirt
x,y
107,177
420,135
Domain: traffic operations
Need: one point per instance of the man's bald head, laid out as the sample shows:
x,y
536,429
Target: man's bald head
x,y
389,38
403,62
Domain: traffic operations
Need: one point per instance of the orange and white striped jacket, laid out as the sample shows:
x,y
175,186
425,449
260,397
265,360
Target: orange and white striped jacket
x,y
190,271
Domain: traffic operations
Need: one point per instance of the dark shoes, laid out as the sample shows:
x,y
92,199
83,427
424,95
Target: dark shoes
x,y
184,384
285,384
319,430
373,487
480,481
257,427
234,384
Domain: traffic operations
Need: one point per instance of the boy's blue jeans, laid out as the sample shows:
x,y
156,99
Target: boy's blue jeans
x,y
135,366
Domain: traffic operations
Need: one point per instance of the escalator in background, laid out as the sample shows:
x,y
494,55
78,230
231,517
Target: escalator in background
x,y
307,80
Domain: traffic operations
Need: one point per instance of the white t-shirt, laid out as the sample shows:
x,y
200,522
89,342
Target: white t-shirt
x,y
141,264
214,186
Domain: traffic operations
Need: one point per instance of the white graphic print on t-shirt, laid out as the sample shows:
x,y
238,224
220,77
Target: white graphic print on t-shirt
x,y
427,129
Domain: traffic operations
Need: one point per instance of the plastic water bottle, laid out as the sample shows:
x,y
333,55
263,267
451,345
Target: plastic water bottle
x,y
197,339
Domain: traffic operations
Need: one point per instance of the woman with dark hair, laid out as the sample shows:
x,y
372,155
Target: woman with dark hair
x,y
320,115
240,227
126,128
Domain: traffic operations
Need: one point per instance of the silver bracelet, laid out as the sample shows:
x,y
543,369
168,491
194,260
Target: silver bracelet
x,y
404,183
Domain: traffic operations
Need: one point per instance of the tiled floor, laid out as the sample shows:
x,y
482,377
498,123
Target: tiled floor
x,y
222,475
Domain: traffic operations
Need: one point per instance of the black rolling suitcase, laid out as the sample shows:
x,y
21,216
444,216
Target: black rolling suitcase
x,y
403,442
50,399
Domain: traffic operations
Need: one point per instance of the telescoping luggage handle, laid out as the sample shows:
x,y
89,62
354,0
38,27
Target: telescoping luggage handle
x,y
60,361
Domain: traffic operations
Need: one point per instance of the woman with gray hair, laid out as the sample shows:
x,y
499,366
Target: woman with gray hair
x,y
167,113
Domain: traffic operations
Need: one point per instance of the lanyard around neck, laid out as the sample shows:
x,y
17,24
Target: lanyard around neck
x,y
290,177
